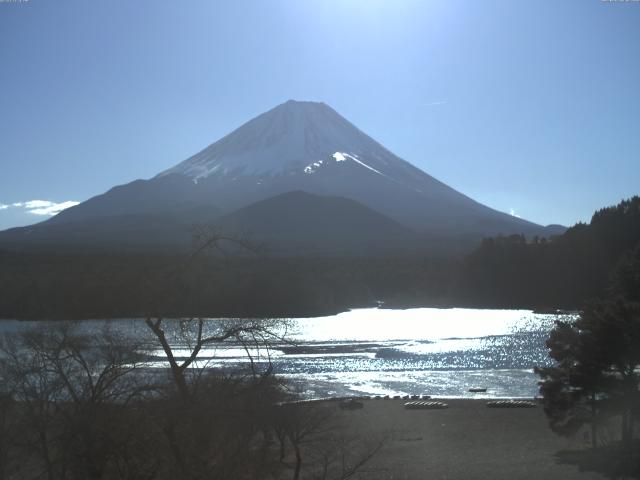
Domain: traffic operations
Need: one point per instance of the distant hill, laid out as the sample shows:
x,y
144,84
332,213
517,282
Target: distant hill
x,y
293,223
301,223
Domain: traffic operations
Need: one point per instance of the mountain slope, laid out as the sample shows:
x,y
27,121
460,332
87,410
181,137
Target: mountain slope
x,y
299,222
293,223
133,232
308,146
301,146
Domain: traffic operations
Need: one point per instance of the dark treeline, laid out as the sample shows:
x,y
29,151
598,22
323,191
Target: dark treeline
x,y
503,272
38,286
559,273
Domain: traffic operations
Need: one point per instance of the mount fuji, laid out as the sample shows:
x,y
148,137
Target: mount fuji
x,y
345,185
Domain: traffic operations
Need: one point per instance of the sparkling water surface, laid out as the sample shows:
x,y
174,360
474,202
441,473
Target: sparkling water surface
x,y
438,352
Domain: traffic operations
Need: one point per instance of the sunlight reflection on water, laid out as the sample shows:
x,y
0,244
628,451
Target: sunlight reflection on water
x,y
441,352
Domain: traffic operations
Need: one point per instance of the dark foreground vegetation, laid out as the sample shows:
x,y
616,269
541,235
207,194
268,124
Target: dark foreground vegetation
x,y
592,391
503,272
79,405
594,387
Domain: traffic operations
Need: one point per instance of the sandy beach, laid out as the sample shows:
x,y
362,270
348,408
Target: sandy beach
x,y
467,440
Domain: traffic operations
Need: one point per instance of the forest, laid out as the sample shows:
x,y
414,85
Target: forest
x,y
503,272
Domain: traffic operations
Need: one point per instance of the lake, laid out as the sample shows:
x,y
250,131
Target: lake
x,y
439,352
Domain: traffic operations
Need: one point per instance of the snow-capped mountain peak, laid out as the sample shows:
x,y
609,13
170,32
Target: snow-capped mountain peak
x,y
306,147
292,137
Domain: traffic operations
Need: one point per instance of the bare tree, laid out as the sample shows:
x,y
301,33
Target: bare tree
x,y
79,402
323,446
254,336
7,435
69,390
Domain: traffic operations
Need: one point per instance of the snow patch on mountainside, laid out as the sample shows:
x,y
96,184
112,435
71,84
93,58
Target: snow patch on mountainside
x,y
313,167
355,159
339,157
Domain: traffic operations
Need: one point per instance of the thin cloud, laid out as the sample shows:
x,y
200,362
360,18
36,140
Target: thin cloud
x,y
53,208
513,213
435,104
41,207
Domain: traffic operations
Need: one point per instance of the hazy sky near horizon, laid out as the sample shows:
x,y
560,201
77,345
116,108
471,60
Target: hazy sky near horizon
x,y
526,106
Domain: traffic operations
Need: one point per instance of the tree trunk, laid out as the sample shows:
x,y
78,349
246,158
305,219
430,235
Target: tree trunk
x,y
44,442
296,473
594,426
281,440
176,371
168,430
626,430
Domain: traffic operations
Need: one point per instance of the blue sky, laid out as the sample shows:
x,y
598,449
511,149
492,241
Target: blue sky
x,y
526,106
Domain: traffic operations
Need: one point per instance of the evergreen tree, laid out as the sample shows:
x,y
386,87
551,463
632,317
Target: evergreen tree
x,y
595,376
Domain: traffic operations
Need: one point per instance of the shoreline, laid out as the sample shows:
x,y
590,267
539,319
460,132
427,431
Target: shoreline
x,y
465,441
312,313
410,398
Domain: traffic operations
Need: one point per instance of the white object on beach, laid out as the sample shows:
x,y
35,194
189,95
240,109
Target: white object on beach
x,y
511,404
425,405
